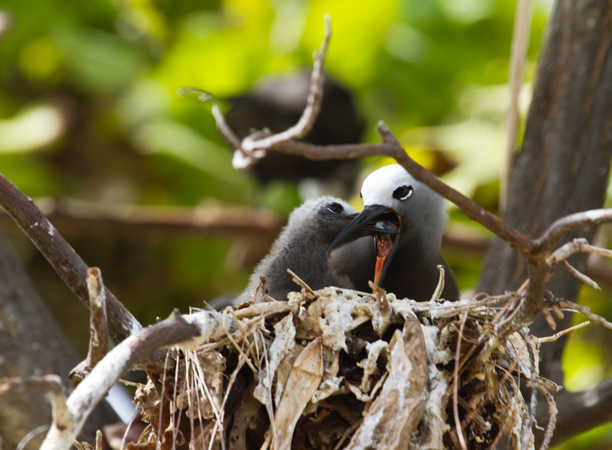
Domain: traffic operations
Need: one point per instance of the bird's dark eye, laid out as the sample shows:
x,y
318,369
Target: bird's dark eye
x,y
360,195
402,192
335,208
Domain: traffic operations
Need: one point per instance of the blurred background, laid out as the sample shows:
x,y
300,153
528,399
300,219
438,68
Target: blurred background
x,y
139,181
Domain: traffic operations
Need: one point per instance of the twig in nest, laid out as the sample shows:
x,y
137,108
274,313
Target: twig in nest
x,y
98,327
440,287
548,317
236,346
507,373
510,413
381,297
534,388
556,336
456,384
307,289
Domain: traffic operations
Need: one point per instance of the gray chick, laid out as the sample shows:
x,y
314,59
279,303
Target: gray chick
x,y
302,247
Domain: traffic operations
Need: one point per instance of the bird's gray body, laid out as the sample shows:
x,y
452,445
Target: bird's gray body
x,y
412,272
302,247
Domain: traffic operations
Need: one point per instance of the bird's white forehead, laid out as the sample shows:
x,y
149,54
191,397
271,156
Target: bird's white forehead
x,y
378,187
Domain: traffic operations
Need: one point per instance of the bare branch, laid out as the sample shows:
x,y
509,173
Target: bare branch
x,y
570,223
49,383
98,327
313,103
222,125
556,336
585,310
552,417
98,345
520,42
582,277
70,267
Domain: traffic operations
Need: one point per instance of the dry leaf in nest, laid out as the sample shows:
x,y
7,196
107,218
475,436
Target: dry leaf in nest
x,y
334,370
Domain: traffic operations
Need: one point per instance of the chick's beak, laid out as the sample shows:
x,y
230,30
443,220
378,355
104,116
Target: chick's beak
x,y
385,225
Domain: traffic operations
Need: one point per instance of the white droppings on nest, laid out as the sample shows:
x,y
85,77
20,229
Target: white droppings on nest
x,y
382,367
369,365
212,325
436,354
282,345
332,316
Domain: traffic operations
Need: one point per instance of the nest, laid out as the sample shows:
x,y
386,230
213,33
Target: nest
x,y
338,369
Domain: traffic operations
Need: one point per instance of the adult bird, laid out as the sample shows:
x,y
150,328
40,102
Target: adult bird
x,y
302,247
405,262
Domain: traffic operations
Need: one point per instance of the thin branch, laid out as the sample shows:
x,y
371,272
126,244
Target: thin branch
x,y
98,345
582,277
556,336
98,327
570,223
49,383
585,310
473,210
520,42
313,103
222,125
69,266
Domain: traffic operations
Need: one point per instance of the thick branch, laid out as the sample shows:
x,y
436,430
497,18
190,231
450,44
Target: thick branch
x,y
69,266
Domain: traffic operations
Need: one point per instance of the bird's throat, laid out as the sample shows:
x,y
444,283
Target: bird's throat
x,y
384,245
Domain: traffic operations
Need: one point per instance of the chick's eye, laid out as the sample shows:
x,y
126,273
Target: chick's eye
x,y
335,208
402,192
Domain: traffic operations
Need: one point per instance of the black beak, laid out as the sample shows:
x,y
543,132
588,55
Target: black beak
x,y
386,226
